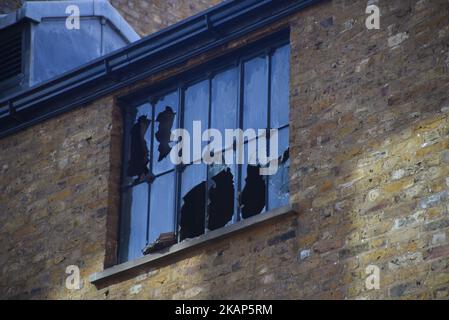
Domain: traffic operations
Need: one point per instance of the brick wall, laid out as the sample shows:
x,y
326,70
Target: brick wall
x,y
370,134
7,6
149,16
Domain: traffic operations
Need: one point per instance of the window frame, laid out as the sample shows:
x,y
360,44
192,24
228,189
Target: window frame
x,y
180,83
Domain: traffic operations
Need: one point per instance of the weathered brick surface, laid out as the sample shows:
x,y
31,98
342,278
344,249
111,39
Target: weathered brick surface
x,y
7,6
370,161
149,16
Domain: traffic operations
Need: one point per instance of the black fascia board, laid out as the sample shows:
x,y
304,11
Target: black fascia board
x,y
160,51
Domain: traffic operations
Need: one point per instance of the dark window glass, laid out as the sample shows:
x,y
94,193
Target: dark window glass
x,y
162,206
222,184
193,201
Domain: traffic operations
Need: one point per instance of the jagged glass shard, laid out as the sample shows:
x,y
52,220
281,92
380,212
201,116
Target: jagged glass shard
x,y
221,199
166,119
137,145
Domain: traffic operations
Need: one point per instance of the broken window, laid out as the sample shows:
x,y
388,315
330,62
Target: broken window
x,y
165,120
166,112
138,145
164,203
193,201
253,196
221,198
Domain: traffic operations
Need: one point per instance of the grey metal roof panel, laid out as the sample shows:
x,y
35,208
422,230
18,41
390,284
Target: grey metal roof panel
x,y
38,10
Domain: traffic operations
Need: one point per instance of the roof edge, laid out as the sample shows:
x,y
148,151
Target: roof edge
x,y
165,49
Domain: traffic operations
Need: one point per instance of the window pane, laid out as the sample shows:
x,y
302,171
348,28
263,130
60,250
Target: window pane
x,y
134,222
166,119
162,209
221,196
278,184
138,143
196,109
253,195
224,101
280,75
193,201
255,94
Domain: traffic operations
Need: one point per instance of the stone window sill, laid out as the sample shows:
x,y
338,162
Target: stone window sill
x,y
150,259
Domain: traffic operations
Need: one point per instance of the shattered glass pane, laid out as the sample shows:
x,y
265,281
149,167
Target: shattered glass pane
x,y
197,109
221,196
278,184
137,144
224,100
134,222
193,201
166,120
280,83
162,206
253,195
254,95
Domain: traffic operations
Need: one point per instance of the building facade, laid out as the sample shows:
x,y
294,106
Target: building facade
x,y
369,161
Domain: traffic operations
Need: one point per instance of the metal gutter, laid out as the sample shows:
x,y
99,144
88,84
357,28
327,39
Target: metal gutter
x,y
162,50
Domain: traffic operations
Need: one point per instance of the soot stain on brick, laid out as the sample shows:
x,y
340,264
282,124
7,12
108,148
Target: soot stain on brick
x,y
221,197
253,197
282,238
193,212
165,120
139,157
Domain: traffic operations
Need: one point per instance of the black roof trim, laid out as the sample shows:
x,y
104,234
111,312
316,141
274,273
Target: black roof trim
x,y
148,56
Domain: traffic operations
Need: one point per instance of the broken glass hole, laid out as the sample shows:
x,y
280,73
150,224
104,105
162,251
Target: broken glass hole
x,y
193,212
165,120
221,200
253,196
139,156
